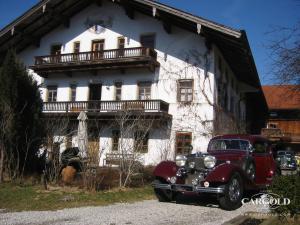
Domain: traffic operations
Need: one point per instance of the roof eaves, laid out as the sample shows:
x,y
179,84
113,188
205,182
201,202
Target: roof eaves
x,y
196,19
28,13
193,18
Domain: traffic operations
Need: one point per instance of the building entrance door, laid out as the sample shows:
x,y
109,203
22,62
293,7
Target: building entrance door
x,y
94,97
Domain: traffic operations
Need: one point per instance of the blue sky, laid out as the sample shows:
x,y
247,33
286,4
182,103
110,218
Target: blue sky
x,y
257,17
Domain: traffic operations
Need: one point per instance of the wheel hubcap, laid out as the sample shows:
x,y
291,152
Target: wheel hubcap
x,y
234,190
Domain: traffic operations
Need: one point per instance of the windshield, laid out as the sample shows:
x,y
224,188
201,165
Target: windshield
x,y
226,144
289,158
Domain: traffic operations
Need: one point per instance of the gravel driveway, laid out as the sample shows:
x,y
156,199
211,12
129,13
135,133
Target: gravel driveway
x,y
145,212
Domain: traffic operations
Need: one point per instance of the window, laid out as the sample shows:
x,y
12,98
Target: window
x,y
118,91
260,147
115,140
273,114
52,94
229,144
183,143
55,51
97,48
148,40
76,47
185,91
73,92
141,141
272,125
95,91
121,46
144,90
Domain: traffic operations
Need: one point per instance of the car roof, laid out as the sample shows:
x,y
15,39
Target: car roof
x,y
251,138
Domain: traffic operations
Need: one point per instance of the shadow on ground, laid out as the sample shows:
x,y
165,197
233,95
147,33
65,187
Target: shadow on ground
x,y
198,200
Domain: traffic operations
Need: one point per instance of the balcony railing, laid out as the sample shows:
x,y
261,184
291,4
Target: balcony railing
x,y
106,106
96,56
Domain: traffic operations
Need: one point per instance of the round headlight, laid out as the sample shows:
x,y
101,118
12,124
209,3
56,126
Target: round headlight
x,y
209,161
180,160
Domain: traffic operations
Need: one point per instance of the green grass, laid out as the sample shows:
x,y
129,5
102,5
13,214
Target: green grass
x,y
25,198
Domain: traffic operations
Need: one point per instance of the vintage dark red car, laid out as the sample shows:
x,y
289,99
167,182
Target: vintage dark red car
x,y
232,165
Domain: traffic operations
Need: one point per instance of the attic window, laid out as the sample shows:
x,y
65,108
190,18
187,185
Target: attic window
x,y
76,47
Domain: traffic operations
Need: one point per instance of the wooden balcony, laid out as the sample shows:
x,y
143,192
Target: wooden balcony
x,y
107,108
276,134
140,57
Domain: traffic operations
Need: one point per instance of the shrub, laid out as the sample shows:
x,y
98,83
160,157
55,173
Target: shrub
x,y
148,174
287,187
143,177
105,178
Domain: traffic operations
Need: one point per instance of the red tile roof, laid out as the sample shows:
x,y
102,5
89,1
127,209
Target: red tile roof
x,y
282,96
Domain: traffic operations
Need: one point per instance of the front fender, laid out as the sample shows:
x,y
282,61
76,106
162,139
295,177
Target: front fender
x,y
165,169
222,173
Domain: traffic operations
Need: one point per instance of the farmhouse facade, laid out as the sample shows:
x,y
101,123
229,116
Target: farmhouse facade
x,y
191,77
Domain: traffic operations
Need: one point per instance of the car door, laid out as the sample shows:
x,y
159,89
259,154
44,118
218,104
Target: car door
x,y
262,158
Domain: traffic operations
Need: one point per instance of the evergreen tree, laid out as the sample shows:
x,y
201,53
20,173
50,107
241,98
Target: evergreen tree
x,y
20,114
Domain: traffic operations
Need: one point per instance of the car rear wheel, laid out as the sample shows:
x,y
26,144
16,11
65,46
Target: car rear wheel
x,y
233,193
162,194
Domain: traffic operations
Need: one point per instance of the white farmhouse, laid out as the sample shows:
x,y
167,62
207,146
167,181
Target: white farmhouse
x,y
191,77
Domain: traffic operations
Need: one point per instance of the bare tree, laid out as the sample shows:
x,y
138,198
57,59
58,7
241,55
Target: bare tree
x,y
93,154
285,53
134,127
57,130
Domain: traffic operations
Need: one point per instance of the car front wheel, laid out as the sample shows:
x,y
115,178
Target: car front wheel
x,y
233,193
162,194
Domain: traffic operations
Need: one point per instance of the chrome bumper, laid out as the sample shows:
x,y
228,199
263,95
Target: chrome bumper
x,y
189,188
